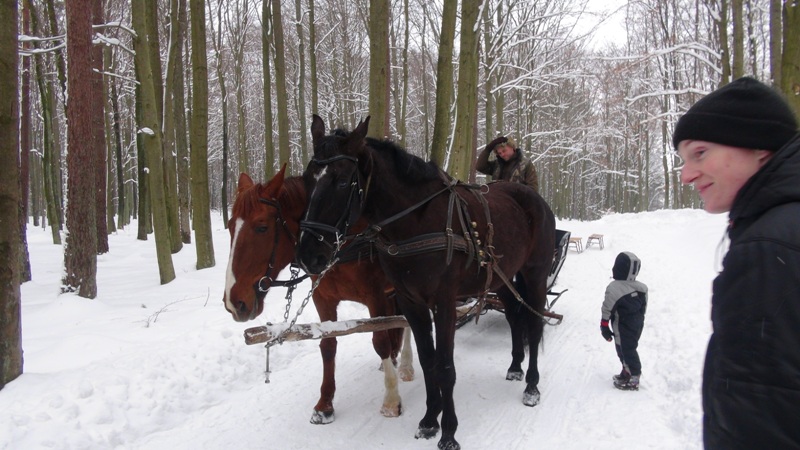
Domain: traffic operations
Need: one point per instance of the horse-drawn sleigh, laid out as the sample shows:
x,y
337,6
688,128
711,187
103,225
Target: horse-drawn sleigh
x,y
432,239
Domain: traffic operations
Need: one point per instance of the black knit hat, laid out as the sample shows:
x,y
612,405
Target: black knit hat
x,y
744,113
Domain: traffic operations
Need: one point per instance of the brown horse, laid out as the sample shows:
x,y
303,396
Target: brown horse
x,y
263,225
437,240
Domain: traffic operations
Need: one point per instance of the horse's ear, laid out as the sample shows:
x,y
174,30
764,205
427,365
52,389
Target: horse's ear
x,y
317,129
274,185
355,139
245,181
361,130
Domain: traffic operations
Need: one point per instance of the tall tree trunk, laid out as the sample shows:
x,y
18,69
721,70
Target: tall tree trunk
x,y
59,54
722,27
790,61
444,83
98,134
122,215
223,92
143,181
80,248
181,145
10,297
61,71
312,58
379,68
266,38
168,120
401,120
775,36
108,120
462,156
149,130
488,84
738,38
25,152
49,166
280,88
301,83
201,209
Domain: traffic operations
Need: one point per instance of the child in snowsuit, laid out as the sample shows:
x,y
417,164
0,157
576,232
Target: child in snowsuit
x,y
623,309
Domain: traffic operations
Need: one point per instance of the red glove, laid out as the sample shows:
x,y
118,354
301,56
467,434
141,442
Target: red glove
x,y
605,331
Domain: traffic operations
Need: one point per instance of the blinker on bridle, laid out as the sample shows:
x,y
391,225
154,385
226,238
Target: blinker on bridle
x,y
343,223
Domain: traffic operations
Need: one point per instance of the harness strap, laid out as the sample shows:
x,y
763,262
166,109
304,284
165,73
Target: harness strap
x,y
377,227
421,244
542,316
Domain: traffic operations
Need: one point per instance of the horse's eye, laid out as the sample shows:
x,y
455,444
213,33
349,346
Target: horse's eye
x,y
342,184
261,229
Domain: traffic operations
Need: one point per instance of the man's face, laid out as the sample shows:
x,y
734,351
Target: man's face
x,y
505,152
718,171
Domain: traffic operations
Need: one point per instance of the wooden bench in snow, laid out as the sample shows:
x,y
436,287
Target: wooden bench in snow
x,y
595,238
577,243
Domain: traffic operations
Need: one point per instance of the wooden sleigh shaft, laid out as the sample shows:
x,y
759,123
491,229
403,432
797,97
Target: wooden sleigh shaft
x,y
304,331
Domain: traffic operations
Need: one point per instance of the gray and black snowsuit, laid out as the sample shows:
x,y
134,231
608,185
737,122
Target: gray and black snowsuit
x,y
624,307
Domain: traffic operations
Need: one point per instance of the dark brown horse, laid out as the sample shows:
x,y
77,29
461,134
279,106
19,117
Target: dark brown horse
x,y
437,240
263,225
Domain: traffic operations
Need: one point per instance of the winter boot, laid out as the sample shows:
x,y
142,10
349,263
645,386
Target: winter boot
x,y
623,376
631,384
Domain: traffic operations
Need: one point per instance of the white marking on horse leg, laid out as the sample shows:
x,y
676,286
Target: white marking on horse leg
x,y
391,400
230,278
406,369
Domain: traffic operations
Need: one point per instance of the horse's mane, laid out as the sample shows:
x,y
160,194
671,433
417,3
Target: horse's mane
x,y
291,196
293,193
411,168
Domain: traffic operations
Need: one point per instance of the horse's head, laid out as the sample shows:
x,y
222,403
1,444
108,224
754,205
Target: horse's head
x,y
336,185
262,243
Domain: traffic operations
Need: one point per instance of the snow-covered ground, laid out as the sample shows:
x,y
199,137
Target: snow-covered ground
x,y
145,366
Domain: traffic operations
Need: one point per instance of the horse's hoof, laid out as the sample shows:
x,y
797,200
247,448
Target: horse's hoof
x,y
514,375
406,373
427,433
322,417
392,411
531,396
449,444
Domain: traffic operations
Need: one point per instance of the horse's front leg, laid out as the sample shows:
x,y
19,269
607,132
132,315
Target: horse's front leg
x,y
445,318
406,368
418,317
392,405
386,344
323,411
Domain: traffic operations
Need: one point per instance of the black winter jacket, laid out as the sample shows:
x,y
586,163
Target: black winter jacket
x,y
751,379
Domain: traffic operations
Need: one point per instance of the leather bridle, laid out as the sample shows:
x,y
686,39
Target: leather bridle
x,y
279,221
342,226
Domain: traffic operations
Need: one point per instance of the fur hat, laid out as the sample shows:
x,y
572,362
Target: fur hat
x,y
745,113
511,142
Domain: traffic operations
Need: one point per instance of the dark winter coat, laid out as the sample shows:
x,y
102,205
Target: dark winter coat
x,y
751,379
518,169
625,306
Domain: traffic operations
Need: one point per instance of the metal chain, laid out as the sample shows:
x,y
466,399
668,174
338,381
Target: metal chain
x,y
295,271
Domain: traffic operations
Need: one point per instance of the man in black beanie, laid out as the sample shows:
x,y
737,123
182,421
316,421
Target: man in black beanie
x,y
741,151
